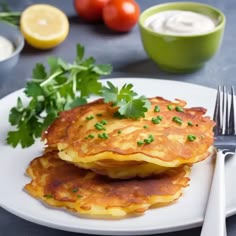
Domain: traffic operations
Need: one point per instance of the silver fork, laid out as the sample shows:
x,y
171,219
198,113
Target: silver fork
x,y
225,144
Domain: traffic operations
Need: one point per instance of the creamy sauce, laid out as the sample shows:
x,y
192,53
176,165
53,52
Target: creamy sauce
x,y
6,48
178,22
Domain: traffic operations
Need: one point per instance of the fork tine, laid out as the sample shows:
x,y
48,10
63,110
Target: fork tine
x,y
232,113
226,112
217,116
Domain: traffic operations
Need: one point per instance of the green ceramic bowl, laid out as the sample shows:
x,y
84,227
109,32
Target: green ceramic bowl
x,y
182,54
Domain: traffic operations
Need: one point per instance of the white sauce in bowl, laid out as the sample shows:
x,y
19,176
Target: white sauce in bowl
x,y
178,22
6,48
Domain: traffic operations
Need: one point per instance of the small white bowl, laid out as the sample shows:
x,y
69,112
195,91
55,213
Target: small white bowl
x,y
13,34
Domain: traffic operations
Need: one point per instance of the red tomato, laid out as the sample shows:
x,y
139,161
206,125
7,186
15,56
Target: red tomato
x,y
121,15
90,10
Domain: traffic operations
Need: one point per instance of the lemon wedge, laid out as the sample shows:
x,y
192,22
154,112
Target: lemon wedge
x,y
44,26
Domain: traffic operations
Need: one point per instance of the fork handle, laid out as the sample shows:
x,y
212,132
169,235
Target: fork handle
x,y
214,221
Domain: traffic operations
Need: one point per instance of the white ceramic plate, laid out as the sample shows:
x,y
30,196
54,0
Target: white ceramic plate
x,y
186,213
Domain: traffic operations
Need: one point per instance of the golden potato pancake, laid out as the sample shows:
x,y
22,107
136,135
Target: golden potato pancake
x,y
62,184
91,136
123,170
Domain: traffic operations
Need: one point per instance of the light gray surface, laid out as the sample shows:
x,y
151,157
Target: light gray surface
x,y
125,53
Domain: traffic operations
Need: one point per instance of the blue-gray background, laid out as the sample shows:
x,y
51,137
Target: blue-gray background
x,y
125,53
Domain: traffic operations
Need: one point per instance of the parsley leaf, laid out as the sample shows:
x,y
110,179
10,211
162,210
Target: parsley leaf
x,y
102,69
33,90
79,52
39,72
23,136
109,93
88,83
130,106
53,64
135,108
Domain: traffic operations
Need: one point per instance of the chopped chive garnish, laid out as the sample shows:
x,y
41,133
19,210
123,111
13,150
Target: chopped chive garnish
x,y
79,196
177,120
191,137
179,109
89,117
119,132
145,126
170,107
140,143
103,122
157,109
103,136
99,114
99,126
149,140
89,136
74,190
157,120
159,117
190,123
48,195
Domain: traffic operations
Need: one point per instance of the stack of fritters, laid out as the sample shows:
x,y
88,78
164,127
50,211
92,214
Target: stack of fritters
x,y
62,184
100,164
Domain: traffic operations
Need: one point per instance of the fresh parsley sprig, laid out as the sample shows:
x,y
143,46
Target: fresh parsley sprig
x,y
130,104
62,87
52,92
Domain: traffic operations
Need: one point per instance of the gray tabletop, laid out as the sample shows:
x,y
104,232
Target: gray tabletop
x,y
125,53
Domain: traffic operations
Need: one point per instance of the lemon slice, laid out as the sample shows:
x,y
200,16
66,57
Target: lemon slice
x,y
44,26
